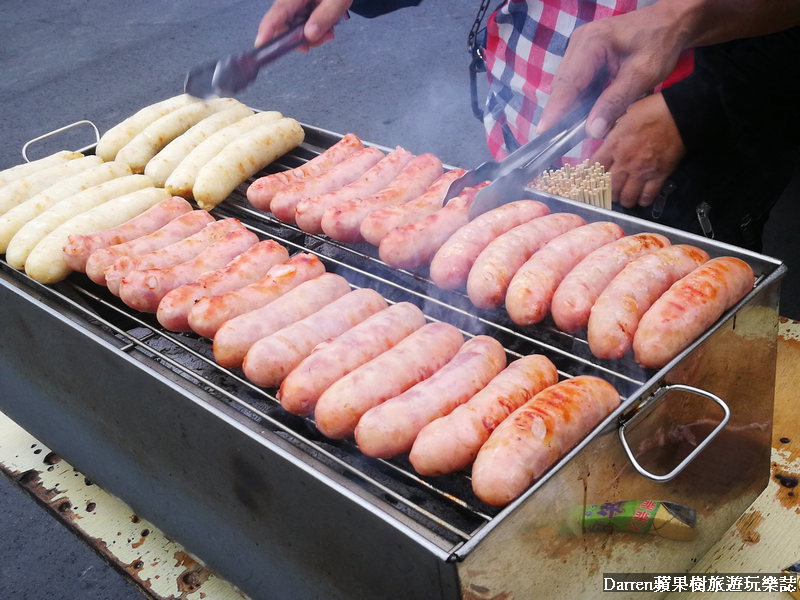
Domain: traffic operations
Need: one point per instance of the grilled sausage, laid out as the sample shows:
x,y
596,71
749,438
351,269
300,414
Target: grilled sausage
x,y
144,290
208,315
80,247
147,143
181,180
171,255
381,222
538,434
271,359
414,359
262,190
118,136
688,308
247,268
579,290
285,201
236,336
451,443
615,314
46,263
497,264
414,245
343,222
531,290
309,211
17,217
390,429
35,230
332,360
18,171
178,229
452,263
248,154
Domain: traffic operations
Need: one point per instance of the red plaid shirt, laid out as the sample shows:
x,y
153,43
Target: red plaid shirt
x,y
525,43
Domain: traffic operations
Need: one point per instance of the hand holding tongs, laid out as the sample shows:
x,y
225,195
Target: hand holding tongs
x,y
230,75
514,172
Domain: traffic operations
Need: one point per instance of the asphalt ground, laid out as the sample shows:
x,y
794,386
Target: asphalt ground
x,y
401,79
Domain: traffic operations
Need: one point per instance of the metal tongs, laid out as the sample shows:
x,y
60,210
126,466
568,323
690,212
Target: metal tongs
x,y
510,176
228,76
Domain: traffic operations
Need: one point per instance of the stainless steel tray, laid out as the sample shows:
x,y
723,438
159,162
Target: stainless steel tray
x,y
282,512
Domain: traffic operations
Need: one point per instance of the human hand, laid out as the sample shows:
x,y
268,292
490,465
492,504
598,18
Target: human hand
x,y
641,150
638,49
318,28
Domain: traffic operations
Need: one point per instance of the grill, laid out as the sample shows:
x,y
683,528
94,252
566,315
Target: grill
x,y
281,511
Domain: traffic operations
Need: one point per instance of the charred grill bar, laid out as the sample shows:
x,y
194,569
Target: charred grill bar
x,y
281,511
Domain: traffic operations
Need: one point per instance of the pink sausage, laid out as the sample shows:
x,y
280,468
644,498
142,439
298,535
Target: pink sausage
x,y
262,190
208,315
271,359
285,201
381,222
233,340
178,229
80,247
531,290
451,443
579,290
615,314
497,264
343,222
309,211
247,268
332,360
390,429
688,308
414,245
537,434
390,374
143,290
452,263
171,255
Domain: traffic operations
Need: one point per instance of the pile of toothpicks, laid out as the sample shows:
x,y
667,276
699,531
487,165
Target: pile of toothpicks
x,y
584,183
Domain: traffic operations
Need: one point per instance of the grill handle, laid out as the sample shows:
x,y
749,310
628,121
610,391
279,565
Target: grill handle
x,y
50,134
655,398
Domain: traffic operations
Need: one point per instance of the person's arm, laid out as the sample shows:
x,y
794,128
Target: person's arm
x,y
639,49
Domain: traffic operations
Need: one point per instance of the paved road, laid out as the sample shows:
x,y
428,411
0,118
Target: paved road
x,y
398,80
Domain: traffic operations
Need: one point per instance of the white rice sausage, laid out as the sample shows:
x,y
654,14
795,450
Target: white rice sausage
x,y
208,315
285,201
537,434
178,229
343,222
390,429
332,360
80,247
309,211
28,168
262,190
391,373
381,222
531,290
497,264
271,359
579,290
235,338
414,245
144,290
451,443
688,308
250,266
452,263
171,255
615,314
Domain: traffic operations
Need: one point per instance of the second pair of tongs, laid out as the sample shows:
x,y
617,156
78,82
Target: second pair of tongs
x,y
510,176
